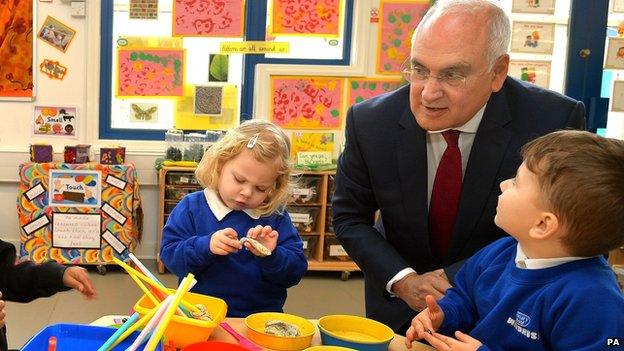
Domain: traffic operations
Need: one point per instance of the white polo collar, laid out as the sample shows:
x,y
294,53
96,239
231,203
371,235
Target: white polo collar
x,y
522,261
219,209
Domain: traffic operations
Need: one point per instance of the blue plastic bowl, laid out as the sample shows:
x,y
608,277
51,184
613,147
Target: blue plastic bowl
x,y
355,332
77,337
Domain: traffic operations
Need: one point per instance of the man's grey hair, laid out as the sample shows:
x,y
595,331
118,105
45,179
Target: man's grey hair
x,y
499,27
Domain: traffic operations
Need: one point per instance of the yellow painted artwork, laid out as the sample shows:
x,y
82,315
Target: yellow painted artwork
x,y
311,142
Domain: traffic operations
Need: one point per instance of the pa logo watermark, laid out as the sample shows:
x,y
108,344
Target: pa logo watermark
x,y
613,342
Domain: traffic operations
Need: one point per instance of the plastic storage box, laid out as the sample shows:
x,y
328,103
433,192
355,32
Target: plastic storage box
x,y
183,331
304,218
77,337
309,245
333,250
306,191
180,178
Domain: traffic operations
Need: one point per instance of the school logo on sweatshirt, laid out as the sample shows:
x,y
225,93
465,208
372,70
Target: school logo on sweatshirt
x,y
520,323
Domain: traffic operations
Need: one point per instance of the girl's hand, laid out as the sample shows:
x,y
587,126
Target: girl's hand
x,y
224,242
425,323
265,235
464,342
2,312
78,279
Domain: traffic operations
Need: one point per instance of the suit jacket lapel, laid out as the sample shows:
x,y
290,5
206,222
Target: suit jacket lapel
x,y
412,164
486,156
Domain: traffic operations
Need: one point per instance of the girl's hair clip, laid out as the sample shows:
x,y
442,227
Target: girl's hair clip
x,y
252,142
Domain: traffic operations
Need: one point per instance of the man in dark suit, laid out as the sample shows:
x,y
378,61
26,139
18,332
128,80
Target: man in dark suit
x,y
437,209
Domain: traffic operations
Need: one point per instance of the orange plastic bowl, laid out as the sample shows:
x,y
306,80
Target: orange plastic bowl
x,y
213,346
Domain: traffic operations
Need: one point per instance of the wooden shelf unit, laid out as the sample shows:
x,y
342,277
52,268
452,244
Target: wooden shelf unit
x,y
327,255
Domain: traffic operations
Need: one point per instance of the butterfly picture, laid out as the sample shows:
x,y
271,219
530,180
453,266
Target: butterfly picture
x,y
143,114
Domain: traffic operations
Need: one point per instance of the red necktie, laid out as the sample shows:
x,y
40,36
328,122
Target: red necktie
x,y
445,195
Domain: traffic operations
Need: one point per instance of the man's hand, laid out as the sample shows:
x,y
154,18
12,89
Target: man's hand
x,y
413,288
464,342
77,278
425,323
224,242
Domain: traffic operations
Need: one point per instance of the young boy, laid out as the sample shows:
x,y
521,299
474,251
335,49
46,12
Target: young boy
x,y
548,286
27,281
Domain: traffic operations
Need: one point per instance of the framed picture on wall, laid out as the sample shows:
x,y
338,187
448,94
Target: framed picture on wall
x,y
617,6
56,33
534,72
546,7
533,37
615,54
618,96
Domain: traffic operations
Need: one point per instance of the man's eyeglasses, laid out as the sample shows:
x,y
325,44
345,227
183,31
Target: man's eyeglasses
x,y
420,75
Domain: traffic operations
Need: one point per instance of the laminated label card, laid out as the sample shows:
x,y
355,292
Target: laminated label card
x,y
76,230
75,188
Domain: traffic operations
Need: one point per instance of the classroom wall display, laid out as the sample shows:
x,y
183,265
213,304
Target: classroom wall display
x,y
150,72
398,21
16,50
54,121
306,17
615,53
617,97
186,118
534,72
533,6
301,102
360,89
56,33
143,9
75,188
120,224
311,142
532,37
53,69
208,18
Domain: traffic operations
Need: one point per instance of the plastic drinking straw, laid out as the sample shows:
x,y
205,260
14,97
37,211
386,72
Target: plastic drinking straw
x,y
186,284
161,296
52,343
119,331
151,282
135,326
150,325
145,290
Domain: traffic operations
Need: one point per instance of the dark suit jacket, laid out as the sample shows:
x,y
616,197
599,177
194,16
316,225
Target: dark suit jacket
x,y
384,166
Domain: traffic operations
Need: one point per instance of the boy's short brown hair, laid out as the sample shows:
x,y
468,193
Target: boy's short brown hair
x,y
581,177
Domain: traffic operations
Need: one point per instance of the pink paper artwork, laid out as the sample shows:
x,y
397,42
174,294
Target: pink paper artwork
x,y
150,72
315,17
210,18
307,102
398,21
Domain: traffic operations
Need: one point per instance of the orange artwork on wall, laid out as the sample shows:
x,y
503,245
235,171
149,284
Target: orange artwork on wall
x,y
16,50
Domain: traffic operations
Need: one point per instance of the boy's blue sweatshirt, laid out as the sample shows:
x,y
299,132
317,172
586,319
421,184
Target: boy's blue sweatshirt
x,y
573,306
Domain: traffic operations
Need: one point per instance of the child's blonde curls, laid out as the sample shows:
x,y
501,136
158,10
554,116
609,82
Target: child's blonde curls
x,y
271,144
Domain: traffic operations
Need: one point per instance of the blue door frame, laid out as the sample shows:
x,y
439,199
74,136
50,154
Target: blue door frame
x,y
587,30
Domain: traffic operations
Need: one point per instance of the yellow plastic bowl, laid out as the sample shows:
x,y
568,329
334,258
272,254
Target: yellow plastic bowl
x,y
328,348
355,332
255,330
183,331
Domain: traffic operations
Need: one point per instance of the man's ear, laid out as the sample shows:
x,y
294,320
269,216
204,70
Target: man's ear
x,y
545,227
500,69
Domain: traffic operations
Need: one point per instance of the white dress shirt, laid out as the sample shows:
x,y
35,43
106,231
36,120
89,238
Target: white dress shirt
x,y
436,145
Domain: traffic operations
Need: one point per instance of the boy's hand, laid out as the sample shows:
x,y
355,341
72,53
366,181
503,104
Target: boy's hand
x,y
425,323
464,342
224,242
77,278
265,236
2,312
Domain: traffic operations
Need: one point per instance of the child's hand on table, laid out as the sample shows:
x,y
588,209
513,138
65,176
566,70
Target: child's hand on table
x,y
78,279
224,242
265,236
425,323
